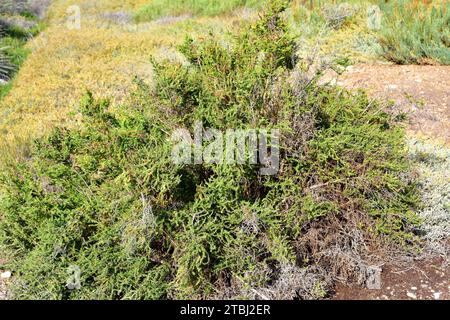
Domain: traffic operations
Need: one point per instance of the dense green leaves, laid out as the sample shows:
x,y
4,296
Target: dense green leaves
x,y
106,197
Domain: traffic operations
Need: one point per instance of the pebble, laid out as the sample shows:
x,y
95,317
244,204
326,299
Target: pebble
x,y
414,288
437,295
5,275
411,295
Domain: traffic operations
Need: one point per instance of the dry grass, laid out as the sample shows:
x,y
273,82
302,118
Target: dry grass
x,y
103,56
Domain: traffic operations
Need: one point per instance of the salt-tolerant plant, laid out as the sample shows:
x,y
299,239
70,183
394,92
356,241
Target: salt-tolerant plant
x,y
433,163
105,196
337,15
415,32
162,8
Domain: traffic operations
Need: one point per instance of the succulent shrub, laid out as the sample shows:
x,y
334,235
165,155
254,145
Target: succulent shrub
x,y
416,33
105,197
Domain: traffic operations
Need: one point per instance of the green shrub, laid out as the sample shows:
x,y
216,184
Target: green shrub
x,y
107,198
416,33
161,8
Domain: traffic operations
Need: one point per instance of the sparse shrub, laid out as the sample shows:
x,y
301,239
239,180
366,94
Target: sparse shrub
x,y
416,33
106,197
38,8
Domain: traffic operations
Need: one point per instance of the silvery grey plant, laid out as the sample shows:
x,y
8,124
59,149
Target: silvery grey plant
x,y
6,68
12,6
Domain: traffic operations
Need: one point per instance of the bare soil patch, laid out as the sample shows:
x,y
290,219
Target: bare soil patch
x,y
422,91
423,280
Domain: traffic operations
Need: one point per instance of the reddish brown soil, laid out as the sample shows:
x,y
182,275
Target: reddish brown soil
x,y
422,91
424,280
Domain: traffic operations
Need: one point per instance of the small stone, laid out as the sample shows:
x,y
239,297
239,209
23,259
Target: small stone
x,y
414,288
5,275
436,295
411,295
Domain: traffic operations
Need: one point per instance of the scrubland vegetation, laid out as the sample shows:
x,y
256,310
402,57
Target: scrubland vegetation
x,y
416,32
87,177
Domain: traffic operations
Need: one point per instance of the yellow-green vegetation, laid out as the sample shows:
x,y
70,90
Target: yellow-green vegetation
x,y
163,8
110,49
106,197
103,56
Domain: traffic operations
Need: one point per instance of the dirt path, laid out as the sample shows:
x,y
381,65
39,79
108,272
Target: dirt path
x,y
423,92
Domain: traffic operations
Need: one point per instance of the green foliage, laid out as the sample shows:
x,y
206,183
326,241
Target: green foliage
x,y
106,197
416,33
161,8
